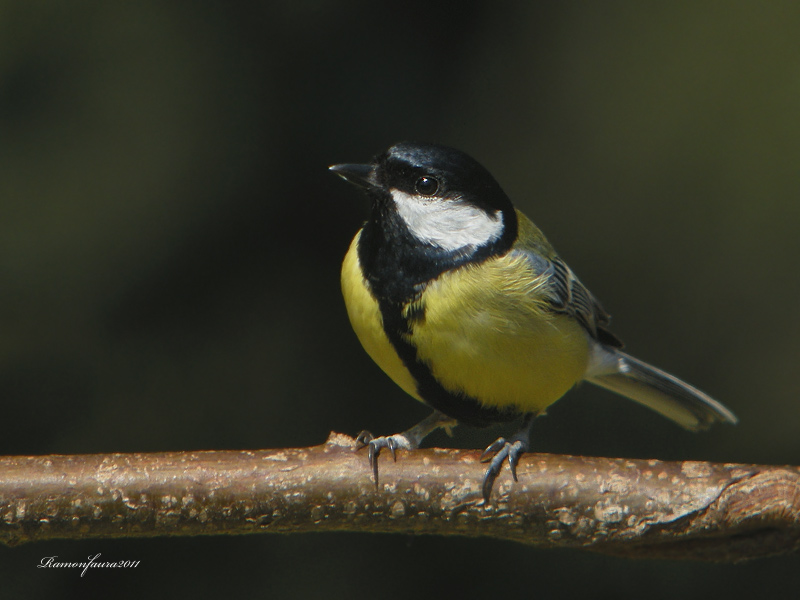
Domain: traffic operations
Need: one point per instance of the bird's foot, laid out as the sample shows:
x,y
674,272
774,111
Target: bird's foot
x,y
408,440
375,444
497,453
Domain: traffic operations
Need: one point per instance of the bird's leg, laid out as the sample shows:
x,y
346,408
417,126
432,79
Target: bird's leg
x,y
407,440
502,449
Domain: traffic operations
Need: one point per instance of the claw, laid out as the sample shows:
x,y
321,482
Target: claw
x,y
491,474
502,449
363,438
408,440
493,449
373,453
513,460
374,446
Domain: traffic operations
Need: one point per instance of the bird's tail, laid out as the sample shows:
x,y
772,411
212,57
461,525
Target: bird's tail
x,y
656,389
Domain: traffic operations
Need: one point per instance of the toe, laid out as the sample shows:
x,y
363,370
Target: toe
x,y
493,448
502,450
488,483
373,453
494,470
363,438
513,460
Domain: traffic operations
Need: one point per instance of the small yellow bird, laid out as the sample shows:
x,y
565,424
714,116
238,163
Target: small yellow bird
x,y
464,303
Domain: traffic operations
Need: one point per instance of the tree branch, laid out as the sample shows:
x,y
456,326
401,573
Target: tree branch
x,y
636,508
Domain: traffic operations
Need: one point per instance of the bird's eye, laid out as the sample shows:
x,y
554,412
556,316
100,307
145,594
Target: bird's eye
x,y
426,185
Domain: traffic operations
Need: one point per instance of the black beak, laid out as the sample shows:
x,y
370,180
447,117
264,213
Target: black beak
x,y
360,175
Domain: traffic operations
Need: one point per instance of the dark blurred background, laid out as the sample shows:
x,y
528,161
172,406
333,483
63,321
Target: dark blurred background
x,y
170,242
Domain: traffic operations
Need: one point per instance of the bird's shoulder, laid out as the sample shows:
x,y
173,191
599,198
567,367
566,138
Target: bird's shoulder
x,y
564,293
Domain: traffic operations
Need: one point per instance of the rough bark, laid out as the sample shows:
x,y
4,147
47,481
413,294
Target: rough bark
x,y
635,508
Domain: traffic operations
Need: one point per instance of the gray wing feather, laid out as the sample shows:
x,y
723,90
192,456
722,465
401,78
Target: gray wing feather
x,y
567,295
616,371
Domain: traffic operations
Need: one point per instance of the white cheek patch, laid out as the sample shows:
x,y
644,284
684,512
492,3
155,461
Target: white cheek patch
x,y
447,224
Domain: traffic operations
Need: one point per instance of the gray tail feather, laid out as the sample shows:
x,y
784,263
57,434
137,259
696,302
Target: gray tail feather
x,y
659,391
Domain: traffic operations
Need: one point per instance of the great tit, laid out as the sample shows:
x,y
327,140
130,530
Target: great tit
x,y
464,303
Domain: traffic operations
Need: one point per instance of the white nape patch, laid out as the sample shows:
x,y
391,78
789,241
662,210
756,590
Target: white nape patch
x,y
447,224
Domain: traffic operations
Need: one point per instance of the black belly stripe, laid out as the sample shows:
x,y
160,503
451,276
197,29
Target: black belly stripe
x,y
461,407
397,267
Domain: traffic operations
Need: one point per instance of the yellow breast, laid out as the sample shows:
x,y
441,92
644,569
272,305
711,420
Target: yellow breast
x,y
485,333
365,317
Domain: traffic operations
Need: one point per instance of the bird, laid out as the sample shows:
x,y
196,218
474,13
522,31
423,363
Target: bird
x,y
462,301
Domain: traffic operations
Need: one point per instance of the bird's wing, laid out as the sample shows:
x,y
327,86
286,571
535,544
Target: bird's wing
x,y
566,294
